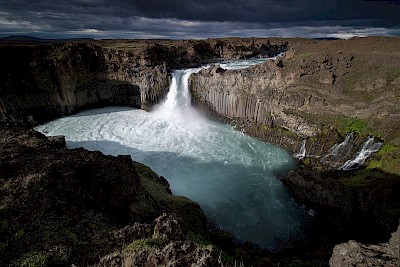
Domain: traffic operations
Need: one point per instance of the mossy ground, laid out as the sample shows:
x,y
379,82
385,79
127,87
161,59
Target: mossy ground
x,y
145,244
192,216
387,159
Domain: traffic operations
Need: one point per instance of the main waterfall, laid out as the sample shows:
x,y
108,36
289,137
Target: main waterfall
x,y
231,175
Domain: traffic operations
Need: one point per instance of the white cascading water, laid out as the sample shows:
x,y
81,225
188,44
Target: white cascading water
x,y
343,147
368,148
340,150
302,152
231,175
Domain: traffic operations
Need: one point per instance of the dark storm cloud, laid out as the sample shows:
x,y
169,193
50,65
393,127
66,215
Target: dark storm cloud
x,y
198,18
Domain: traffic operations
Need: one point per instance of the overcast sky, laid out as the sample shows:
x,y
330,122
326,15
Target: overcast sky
x,y
184,19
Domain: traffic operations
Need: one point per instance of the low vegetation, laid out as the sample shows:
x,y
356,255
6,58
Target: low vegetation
x,y
387,159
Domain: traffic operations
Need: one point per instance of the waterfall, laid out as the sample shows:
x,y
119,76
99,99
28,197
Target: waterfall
x,y
179,100
177,106
342,149
369,147
302,152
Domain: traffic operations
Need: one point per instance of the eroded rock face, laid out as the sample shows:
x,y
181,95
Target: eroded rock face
x,y
353,253
166,247
152,80
291,96
177,253
48,81
257,93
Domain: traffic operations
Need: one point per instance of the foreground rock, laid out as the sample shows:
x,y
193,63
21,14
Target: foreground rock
x,y
61,207
357,254
166,247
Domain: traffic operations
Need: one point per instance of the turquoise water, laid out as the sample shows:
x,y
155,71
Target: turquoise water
x,y
231,175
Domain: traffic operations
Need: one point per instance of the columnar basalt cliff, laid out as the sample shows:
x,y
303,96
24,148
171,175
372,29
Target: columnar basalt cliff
x,y
318,92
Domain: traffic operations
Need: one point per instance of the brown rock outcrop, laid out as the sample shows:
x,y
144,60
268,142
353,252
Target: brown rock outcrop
x,y
167,247
353,253
174,254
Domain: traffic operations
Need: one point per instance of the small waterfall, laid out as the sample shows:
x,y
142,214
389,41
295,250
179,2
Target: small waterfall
x,y
302,152
342,150
344,147
369,147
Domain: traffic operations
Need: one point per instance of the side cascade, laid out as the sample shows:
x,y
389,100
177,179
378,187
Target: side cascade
x,y
344,148
340,152
302,152
370,146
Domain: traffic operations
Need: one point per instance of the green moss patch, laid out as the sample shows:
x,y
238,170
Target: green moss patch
x,y
349,124
387,159
192,216
145,244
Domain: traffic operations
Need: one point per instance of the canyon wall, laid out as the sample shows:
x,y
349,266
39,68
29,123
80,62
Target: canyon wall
x,y
317,92
43,82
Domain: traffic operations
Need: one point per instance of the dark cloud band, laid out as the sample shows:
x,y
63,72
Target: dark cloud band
x,y
197,18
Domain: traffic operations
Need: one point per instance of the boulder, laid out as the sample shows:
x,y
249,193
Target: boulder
x,y
357,254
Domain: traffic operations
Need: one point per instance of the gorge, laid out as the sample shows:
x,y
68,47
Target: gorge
x,y
316,94
229,174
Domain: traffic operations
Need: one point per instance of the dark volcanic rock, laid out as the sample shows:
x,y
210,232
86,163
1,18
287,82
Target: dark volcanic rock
x,y
45,81
65,206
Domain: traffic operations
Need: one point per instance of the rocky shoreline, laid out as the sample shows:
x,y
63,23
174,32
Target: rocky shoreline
x,y
316,94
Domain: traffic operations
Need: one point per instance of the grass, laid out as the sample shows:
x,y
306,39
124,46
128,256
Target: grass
x,y
387,159
343,124
358,180
305,54
58,256
349,124
145,244
281,130
392,75
192,216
